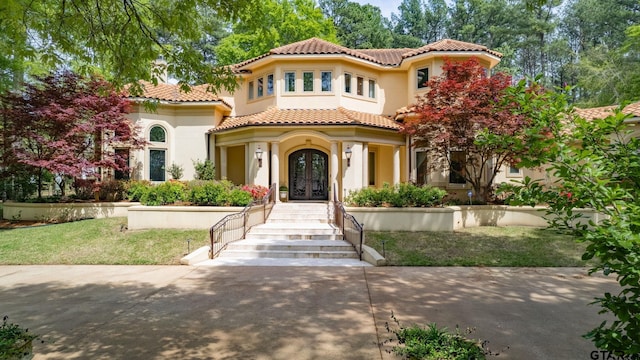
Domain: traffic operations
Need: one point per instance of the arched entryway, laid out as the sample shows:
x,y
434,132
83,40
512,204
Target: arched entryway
x,y
308,175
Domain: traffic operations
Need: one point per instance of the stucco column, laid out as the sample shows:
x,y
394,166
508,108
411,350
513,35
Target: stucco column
x,y
275,167
365,165
258,175
396,165
334,169
223,162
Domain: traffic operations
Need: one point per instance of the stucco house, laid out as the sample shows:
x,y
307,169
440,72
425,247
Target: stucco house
x,y
310,115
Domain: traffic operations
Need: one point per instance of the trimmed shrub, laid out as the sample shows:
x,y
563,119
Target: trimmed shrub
x,y
112,190
401,195
166,193
84,188
135,189
238,197
209,193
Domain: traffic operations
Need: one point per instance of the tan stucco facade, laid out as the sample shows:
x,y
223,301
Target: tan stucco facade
x,y
300,80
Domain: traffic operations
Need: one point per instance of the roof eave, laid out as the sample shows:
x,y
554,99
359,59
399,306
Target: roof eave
x,y
244,127
182,103
493,59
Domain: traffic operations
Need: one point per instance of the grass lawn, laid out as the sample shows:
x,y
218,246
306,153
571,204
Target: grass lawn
x,y
103,242
515,246
96,242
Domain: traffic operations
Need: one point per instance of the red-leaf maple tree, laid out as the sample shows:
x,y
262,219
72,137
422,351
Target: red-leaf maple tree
x,y
465,110
68,125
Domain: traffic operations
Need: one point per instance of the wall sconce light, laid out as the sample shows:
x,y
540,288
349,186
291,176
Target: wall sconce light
x,y
347,154
259,156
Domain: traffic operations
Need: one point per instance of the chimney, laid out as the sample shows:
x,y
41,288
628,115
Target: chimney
x,y
159,70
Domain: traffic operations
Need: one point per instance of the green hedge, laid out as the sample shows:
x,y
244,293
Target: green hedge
x,y
196,192
401,195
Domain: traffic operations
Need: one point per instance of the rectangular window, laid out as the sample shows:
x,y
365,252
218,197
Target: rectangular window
x,y
290,82
307,81
326,81
260,87
360,86
372,168
269,84
250,90
458,164
514,171
372,89
422,77
422,171
347,83
124,155
157,165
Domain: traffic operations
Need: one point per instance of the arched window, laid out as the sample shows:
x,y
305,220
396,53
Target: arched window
x,y
157,153
157,134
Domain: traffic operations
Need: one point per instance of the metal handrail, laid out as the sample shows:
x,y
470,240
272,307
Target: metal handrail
x,y
352,230
234,227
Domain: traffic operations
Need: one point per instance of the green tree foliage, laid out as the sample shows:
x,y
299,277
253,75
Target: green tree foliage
x,y
358,26
597,166
279,22
118,38
424,21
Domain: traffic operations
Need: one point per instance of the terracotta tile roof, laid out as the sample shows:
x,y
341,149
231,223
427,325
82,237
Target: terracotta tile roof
x,y
450,45
391,57
173,93
604,111
283,117
385,57
595,113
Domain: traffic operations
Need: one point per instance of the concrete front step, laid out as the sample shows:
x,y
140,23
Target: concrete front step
x,y
286,245
291,231
300,218
290,254
272,248
221,261
295,234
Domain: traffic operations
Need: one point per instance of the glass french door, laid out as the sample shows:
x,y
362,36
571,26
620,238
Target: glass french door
x,y
308,175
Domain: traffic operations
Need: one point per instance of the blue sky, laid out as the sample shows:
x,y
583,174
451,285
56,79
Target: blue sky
x,y
386,6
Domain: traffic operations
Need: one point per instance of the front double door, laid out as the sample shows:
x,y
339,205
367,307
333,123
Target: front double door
x,y
308,175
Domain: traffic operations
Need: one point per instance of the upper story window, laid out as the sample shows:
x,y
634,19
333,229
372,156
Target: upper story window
x,y
307,81
360,86
422,77
269,84
290,81
157,134
260,87
372,89
251,86
326,81
256,87
347,83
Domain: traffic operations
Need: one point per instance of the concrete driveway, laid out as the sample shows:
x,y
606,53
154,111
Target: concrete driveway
x,y
181,312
